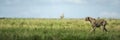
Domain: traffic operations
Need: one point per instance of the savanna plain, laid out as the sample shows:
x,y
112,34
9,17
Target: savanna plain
x,y
56,29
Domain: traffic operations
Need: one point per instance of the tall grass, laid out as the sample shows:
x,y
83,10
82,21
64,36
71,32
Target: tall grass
x,y
54,29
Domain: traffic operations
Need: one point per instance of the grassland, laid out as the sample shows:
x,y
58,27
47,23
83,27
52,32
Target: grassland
x,y
55,29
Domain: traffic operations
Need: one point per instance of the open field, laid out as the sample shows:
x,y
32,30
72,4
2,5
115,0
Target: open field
x,y
55,29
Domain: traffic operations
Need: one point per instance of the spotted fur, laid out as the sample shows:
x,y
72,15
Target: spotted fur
x,y
97,23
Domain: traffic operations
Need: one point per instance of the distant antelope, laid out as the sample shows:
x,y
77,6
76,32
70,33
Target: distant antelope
x,y
62,16
97,23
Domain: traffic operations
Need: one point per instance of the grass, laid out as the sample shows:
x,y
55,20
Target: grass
x,y
55,29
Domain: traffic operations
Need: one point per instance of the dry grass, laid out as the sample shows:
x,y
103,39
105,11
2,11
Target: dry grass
x,y
54,29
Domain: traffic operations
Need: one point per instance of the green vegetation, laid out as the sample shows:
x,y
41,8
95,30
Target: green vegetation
x,y
55,29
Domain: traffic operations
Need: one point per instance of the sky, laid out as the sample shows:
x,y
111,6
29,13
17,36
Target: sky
x,y
54,8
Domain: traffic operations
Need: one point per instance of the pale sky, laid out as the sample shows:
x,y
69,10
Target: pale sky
x,y
54,8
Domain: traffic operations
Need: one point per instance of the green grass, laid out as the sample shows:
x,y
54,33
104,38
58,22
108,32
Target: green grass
x,y
55,29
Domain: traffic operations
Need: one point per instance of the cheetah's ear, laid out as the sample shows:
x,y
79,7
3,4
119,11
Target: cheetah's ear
x,y
87,18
